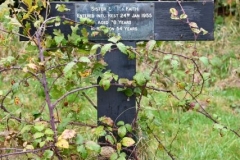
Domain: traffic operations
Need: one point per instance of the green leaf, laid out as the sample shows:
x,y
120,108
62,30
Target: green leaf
x,y
84,32
114,156
61,8
38,135
175,63
39,127
141,78
94,48
218,126
121,158
114,39
115,77
64,123
127,141
128,92
106,48
93,146
120,123
48,139
85,20
49,131
99,131
104,29
15,87
84,59
128,127
105,84
26,128
48,154
79,139
216,62
122,155
204,60
137,91
41,144
122,131
122,47
83,152
68,67
59,37
110,139
150,45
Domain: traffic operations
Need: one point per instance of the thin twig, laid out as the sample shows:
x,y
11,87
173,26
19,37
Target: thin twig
x,y
163,90
89,100
71,92
24,152
165,149
195,64
15,33
141,95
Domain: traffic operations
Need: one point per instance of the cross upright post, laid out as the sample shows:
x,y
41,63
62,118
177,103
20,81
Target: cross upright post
x,y
112,103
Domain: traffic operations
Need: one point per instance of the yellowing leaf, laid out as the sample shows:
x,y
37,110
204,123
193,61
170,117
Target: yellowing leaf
x,y
150,45
204,31
196,30
32,66
193,25
17,101
85,73
183,16
62,143
94,48
28,3
127,141
119,147
29,147
173,11
84,59
181,85
67,134
174,17
93,146
106,120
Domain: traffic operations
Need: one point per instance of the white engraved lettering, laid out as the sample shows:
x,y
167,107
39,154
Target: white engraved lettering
x,y
98,9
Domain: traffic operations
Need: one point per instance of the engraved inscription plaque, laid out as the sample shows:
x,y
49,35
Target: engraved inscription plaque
x,y
132,21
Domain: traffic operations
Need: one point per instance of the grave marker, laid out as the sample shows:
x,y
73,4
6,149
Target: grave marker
x,y
134,21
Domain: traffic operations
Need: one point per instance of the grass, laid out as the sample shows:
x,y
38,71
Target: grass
x,y
190,135
193,134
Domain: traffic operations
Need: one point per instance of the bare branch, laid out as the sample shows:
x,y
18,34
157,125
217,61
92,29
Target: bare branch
x,y
28,151
90,101
165,149
15,33
71,92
